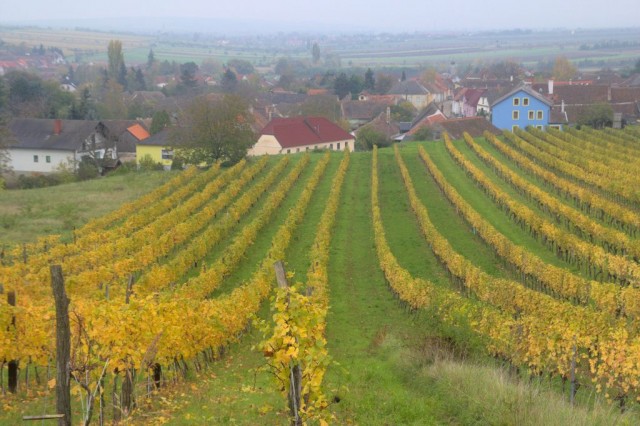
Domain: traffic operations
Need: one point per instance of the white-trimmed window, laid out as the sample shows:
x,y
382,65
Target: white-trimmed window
x,y
35,158
539,127
331,146
516,115
532,115
540,115
288,151
47,159
514,127
525,101
338,148
516,101
297,149
167,154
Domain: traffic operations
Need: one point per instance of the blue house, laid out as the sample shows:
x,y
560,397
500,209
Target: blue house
x,y
520,108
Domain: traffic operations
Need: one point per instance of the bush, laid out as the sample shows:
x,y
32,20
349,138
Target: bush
x,y
146,164
87,170
177,163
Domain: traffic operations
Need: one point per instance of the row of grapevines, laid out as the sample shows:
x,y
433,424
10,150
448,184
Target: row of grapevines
x,y
128,209
612,240
611,187
160,275
593,259
549,334
608,211
296,340
608,297
210,279
449,307
604,145
87,277
175,326
98,246
591,158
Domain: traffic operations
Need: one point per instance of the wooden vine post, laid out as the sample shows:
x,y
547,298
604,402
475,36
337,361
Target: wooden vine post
x,y
12,365
295,375
63,347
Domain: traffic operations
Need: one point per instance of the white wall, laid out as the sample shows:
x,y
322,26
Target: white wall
x,y
268,144
22,159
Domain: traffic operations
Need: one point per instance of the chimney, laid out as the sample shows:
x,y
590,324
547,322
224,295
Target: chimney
x,y
57,126
388,115
562,106
551,87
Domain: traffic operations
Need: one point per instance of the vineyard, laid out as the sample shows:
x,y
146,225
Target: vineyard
x,y
520,250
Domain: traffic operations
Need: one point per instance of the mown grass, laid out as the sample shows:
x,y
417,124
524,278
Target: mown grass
x,y
27,214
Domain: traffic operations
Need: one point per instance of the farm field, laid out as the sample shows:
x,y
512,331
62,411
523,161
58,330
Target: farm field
x,y
445,277
593,49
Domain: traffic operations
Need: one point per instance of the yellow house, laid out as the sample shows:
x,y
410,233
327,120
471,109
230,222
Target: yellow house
x,y
158,147
298,134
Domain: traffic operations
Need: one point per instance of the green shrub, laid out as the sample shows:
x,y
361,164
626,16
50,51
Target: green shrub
x,y
146,163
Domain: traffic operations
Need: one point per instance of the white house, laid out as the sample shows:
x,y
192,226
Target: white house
x,y
43,145
298,134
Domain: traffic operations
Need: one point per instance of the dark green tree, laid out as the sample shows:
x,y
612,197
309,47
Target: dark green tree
x,y
241,66
160,121
315,53
369,80
188,73
384,82
151,59
214,130
597,116
116,61
229,81
368,137
355,84
341,86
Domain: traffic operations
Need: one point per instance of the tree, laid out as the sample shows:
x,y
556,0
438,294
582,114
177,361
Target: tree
x,y
160,121
404,76
229,81
356,84
151,59
341,86
188,72
241,66
315,53
597,116
214,130
368,137
112,105
5,134
116,60
424,133
404,111
369,80
384,82
324,106
563,69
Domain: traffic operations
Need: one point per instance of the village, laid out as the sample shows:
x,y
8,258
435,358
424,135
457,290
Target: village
x,y
108,116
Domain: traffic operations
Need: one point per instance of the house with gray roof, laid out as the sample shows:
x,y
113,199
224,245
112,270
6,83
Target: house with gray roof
x,y
412,91
44,145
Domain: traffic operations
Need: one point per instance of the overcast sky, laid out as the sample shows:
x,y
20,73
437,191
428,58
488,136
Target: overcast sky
x,y
319,15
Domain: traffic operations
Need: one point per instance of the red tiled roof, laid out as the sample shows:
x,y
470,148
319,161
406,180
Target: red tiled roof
x,y
301,131
138,131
